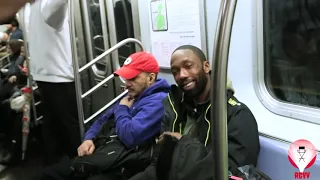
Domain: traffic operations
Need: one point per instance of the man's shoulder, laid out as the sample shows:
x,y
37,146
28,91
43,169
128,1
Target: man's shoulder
x,y
234,107
235,104
17,34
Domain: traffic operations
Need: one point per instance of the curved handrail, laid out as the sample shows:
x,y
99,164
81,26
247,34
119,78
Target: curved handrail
x,y
3,48
97,36
4,57
113,48
97,86
218,89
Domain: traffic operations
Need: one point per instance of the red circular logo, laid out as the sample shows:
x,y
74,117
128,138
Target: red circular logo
x,y
302,154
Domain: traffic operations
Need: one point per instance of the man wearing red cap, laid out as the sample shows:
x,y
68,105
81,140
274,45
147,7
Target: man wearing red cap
x,y
137,121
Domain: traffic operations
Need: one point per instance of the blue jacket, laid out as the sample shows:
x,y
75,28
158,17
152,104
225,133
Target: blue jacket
x,y
139,123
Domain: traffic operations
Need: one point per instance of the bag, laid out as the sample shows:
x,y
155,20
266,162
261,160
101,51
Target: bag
x,y
17,103
111,156
249,172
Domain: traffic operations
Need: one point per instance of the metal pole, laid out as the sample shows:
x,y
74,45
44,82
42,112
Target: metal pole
x,y
26,109
218,89
76,67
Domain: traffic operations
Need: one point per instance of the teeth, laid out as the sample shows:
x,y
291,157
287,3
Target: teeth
x,y
189,84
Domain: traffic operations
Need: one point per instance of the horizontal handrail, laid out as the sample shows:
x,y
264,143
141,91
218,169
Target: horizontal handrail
x,y
96,48
3,48
4,57
6,66
106,107
37,103
113,48
96,87
39,118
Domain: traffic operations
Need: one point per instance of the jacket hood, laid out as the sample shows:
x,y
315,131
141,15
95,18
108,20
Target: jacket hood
x,y
229,85
161,85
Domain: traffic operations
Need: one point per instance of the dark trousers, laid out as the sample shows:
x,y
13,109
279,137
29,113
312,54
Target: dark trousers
x,y
10,123
62,171
6,91
148,174
60,130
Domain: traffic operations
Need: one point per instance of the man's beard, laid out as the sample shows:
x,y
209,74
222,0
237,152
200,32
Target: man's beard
x,y
200,85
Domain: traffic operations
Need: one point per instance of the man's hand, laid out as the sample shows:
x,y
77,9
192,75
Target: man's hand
x,y
12,79
86,148
173,134
127,101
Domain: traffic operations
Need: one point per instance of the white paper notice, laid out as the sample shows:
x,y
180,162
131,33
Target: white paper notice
x,y
174,23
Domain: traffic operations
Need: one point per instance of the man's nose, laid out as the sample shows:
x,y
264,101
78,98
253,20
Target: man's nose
x,y
183,73
128,83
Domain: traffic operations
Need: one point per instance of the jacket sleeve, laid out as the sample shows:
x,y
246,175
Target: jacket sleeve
x,y
243,139
97,125
54,12
243,147
134,130
16,70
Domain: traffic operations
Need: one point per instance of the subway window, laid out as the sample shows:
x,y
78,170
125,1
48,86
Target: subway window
x,y
292,51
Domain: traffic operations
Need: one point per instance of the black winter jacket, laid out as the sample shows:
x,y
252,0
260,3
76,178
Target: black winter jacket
x,y
191,156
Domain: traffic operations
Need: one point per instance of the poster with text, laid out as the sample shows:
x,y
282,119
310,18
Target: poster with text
x,y
174,23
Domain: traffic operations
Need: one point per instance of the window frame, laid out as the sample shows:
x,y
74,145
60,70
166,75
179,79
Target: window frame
x,y
274,105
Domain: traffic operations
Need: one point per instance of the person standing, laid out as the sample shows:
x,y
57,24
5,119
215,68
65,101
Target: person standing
x,y
51,68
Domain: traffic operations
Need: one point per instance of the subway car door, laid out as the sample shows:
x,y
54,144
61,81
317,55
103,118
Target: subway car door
x,y
101,24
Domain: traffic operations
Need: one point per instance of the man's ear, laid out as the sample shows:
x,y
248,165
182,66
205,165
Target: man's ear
x,y
152,77
206,67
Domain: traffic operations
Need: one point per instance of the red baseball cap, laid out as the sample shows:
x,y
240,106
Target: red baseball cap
x,y
137,63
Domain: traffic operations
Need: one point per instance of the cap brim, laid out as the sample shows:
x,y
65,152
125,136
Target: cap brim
x,y
127,73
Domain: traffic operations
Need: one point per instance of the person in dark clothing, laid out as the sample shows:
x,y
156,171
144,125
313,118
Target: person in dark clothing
x,y
187,120
137,118
14,76
11,120
16,32
13,31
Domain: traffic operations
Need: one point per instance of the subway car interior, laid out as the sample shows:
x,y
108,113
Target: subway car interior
x,y
268,49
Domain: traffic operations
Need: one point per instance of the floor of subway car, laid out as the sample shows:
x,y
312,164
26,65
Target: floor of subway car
x,y
26,169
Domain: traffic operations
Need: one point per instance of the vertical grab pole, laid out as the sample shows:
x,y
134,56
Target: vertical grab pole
x,y
75,63
218,89
28,90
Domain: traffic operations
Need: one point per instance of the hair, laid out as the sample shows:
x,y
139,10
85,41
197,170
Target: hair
x,y
15,23
15,46
198,52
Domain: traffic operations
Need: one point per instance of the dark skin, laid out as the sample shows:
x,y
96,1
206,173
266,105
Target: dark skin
x,y
192,76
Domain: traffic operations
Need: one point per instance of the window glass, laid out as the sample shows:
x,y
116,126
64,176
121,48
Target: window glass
x,y
292,50
124,26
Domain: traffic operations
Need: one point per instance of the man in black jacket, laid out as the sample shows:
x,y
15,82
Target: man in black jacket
x,y
186,142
